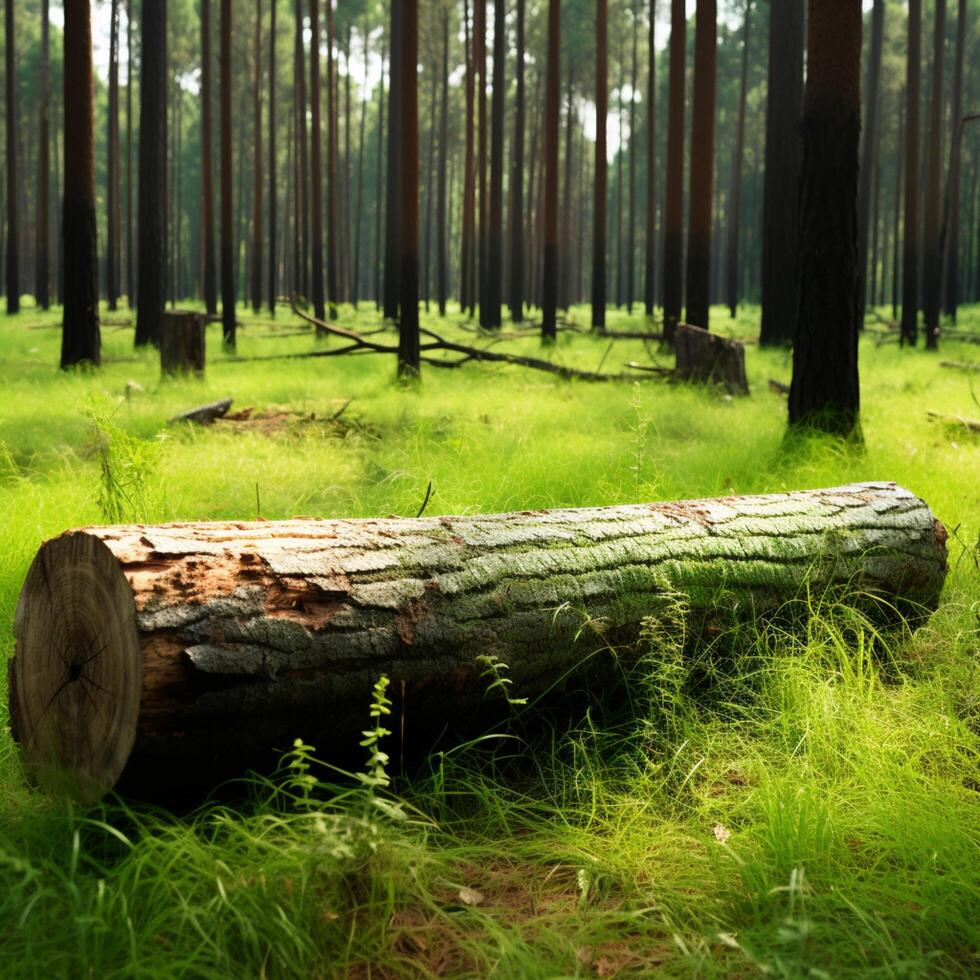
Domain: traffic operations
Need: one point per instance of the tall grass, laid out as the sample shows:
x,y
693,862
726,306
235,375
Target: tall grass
x,y
788,805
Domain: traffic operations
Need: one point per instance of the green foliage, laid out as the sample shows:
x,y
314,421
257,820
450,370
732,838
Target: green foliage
x,y
766,804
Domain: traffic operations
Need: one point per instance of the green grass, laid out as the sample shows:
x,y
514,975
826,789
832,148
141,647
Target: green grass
x,y
807,808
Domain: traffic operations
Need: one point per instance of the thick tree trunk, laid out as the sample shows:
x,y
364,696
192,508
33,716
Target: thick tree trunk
x,y
187,648
735,196
80,339
932,272
824,392
702,164
552,111
780,217
673,259
910,250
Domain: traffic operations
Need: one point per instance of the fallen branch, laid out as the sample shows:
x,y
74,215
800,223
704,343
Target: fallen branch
x,y
961,365
973,425
205,414
778,387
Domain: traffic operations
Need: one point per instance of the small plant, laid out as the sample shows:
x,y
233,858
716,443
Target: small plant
x,y
126,466
496,670
298,762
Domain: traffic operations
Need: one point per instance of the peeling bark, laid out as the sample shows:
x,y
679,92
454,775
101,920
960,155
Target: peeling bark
x,y
184,646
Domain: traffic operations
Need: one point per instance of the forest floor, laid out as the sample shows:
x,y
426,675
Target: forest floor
x,y
810,809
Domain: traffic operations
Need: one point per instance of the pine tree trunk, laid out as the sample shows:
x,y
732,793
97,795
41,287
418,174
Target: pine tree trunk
x,y
780,217
552,112
495,232
702,164
650,234
151,226
393,237
567,251
897,213
517,255
951,218
227,239
112,146
333,217
12,267
442,257
673,256
196,649
80,340
824,392
932,272
316,162
207,173
467,299
735,196
42,289
480,76
379,185
356,287
130,244
302,151
869,149
601,174
273,182
631,207
257,208
429,186
406,38
910,251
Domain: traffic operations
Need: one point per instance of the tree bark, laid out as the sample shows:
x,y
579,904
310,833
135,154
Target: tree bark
x,y
516,290
480,76
673,257
207,173
650,236
164,650
951,237
631,205
257,233
869,150
333,228
42,288
130,245
356,288
735,196
780,217
316,162
824,393
702,165
409,355
392,284
273,183
442,231
468,243
910,250
227,239
112,152
302,150
552,112
12,267
495,232
600,176
932,272
80,339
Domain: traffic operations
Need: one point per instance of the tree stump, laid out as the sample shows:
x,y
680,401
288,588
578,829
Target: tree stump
x,y
182,648
182,342
706,357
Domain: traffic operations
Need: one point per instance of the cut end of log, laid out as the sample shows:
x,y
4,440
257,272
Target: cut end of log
x,y
76,678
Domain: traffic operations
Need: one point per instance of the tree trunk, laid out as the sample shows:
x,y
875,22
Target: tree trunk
x,y
702,164
951,220
824,393
631,206
257,233
442,231
735,197
495,231
333,228
869,150
207,174
467,243
80,340
568,249
12,268
130,245
780,217
910,251
356,287
316,162
429,186
199,646
516,290
227,239
673,257
897,213
302,151
112,176
932,272
650,236
601,175
273,183
552,112
378,170
409,357
393,282
42,288
182,343
480,76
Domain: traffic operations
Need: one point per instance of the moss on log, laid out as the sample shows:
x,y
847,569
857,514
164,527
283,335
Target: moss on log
x,y
185,645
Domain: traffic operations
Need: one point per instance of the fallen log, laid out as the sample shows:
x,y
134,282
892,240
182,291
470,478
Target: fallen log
x,y
205,414
173,649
